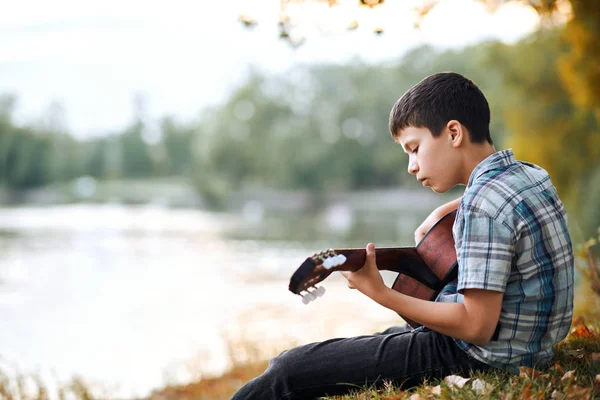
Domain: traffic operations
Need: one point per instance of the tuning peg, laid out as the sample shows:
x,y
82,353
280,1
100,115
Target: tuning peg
x,y
339,259
308,297
320,291
328,263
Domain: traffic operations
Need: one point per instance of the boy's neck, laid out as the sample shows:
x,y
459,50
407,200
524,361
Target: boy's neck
x,y
476,155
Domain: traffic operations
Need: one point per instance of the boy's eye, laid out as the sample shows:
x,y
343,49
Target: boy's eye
x,y
415,149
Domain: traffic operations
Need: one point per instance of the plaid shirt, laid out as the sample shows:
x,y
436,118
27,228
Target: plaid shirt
x,y
511,236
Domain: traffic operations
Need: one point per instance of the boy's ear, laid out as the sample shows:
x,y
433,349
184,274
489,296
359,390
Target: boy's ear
x,y
456,132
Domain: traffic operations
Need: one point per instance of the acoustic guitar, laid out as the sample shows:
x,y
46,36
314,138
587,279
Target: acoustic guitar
x,y
423,270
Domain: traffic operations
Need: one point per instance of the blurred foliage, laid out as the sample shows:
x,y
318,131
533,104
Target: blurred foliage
x,y
547,127
579,65
320,128
293,24
33,156
554,115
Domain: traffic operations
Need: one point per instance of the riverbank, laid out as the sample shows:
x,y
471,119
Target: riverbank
x,y
574,375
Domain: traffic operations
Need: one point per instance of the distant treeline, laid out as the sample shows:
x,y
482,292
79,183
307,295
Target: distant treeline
x,y
325,127
317,127
33,157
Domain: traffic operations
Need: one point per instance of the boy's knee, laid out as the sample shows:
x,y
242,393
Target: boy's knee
x,y
279,365
288,368
271,384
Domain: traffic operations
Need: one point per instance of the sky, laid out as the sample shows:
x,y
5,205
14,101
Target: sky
x,y
90,59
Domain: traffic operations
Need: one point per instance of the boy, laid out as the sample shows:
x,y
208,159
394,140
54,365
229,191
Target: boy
x,y
513,298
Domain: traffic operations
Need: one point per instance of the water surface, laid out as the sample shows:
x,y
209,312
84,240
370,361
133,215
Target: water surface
x,y
132,298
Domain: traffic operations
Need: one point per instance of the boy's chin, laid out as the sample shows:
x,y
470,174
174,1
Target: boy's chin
x,y
439,189
442,189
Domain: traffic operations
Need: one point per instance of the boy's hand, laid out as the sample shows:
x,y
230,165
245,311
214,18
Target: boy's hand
x,y
434,217
422,230
368,279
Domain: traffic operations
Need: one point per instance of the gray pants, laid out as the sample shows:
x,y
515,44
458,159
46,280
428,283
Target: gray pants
x,y
338,366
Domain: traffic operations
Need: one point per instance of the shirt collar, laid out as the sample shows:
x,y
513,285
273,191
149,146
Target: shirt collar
x,y
496,160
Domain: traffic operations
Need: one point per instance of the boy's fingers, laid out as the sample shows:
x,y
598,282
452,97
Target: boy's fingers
x,y
370,253
418,236
346,275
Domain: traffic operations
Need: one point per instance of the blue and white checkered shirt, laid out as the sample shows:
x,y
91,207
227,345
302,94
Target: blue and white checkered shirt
x,y
511,236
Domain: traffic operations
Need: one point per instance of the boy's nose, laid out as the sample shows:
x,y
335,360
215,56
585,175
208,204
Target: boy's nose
x,y
412,167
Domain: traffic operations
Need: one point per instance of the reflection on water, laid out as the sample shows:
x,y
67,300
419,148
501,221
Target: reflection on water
x,y
133,297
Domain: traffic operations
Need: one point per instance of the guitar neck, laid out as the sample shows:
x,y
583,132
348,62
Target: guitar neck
x,y
387,258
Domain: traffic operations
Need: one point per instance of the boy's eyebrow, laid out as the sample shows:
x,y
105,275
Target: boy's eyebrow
x,y
406,144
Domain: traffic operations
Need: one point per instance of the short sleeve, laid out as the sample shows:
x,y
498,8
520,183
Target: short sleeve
x,y
485,253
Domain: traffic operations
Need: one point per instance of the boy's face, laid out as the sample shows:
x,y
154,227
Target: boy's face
x,y
434,161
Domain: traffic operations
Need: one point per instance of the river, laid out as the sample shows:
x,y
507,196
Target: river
x,y
131,298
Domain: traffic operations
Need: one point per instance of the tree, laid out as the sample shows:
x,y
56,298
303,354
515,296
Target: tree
x,y
546,126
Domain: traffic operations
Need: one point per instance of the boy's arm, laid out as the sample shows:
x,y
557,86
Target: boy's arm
x,y
474,321
434,217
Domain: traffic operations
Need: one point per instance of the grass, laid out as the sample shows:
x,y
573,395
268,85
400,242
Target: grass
x,y
214,388
19,386
574,375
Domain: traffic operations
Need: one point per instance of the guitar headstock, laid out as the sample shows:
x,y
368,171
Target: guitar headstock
x,y
312,271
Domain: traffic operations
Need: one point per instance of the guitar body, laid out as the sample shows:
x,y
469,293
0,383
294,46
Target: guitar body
x,y
438,253
422,270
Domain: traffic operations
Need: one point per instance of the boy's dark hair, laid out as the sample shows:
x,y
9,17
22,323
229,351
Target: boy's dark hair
x,y
438,99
